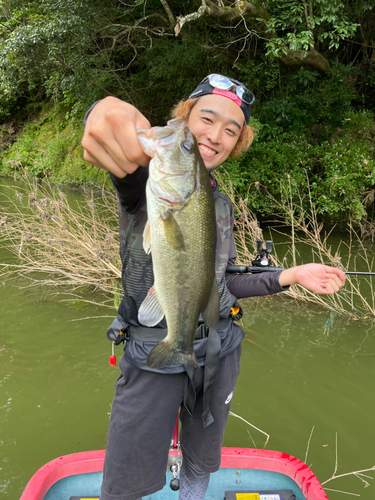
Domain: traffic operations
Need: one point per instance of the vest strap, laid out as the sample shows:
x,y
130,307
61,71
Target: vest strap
x,y
147,334
210,368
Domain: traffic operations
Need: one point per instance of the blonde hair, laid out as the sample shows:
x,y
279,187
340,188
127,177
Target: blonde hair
x,y
183,109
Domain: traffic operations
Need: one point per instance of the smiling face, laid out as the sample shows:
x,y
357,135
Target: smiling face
x,y
216,123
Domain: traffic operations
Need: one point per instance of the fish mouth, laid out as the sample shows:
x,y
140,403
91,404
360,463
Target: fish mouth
x,y
206,150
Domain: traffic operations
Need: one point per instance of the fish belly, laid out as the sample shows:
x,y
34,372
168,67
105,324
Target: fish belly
x,y
183,278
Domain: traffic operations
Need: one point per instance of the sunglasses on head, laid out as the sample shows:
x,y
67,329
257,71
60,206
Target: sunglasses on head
x,y
225,83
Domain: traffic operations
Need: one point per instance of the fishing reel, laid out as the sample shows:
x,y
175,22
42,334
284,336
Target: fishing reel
x,y
262,262
263,254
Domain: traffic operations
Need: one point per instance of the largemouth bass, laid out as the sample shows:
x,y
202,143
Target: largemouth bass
x,y
181,235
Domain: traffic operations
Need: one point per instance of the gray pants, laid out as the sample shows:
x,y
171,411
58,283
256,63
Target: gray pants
x,y
143,418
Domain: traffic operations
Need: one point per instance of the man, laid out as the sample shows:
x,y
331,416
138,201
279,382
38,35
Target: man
x,y
147,401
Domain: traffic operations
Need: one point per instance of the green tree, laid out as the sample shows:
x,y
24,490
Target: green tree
x,y
45,51
61,48
310,64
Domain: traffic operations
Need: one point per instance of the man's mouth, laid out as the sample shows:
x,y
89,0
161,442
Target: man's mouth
x,y
206,150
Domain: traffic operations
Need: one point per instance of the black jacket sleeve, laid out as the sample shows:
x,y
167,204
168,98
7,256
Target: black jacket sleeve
x,y
131,190
254,285
88,112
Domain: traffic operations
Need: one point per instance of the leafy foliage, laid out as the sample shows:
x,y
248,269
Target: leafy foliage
x,y
310,125
43,52
301,24
49,147
339,172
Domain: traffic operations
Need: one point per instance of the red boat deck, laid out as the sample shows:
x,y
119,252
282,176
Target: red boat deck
x,y
238,458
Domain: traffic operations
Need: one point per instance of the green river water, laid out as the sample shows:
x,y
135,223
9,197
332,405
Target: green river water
x,y
56,385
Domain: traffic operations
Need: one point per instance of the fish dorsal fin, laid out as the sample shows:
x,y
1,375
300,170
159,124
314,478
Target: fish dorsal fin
x,y
212,310
150,313
147,238
172,232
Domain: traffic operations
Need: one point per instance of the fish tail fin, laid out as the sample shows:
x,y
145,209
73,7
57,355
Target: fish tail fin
x,y
164,354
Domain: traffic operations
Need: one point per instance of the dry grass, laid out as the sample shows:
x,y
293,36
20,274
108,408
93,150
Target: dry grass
x,y
73,246
356,299
70,246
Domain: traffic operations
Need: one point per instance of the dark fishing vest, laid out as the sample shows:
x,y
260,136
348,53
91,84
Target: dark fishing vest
x,y
138,278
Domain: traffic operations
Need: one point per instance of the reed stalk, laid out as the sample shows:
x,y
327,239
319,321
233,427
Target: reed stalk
x,y
73,246
69,246
303,228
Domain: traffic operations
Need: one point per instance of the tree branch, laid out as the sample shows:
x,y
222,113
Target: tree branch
x,y
306,58
241,9
181,20
250,13
308,16
168,11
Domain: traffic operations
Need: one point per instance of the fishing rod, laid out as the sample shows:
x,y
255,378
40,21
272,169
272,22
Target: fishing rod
x,y
263,263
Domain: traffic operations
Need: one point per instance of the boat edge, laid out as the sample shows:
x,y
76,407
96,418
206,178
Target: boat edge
x,y
92,461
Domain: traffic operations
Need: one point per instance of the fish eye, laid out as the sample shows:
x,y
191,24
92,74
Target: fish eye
x,y
187,146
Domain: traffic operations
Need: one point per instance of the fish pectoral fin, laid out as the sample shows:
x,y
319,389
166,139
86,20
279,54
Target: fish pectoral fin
x,y
172,232
211,312
147,238
150,313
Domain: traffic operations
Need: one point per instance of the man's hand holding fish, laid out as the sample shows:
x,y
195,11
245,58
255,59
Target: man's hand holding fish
x,y
110,138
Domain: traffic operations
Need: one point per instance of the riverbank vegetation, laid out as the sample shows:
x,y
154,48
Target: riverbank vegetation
x,y
312,164
309,63
70,245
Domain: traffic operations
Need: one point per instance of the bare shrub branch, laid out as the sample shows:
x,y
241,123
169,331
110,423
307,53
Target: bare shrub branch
x,y
74,246
358,473
78,246
305,229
